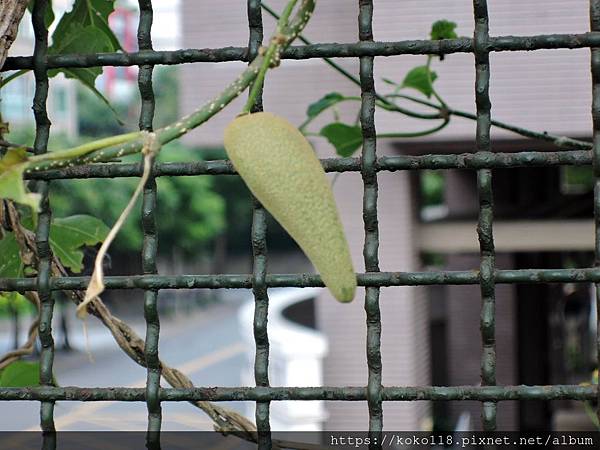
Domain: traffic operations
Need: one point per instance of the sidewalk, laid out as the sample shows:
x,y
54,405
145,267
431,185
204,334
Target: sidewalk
x,y
99,338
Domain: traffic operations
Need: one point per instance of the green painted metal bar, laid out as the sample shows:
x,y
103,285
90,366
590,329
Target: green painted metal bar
x,y
320,50
150,240
374,279
42,133
259,261
486,210
478,160
347,393
371,246
261,309
595,66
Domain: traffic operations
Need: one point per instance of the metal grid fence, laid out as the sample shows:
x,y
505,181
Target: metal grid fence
x,y
482,160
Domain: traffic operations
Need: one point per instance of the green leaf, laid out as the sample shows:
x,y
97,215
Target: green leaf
x,y
85,13
418,78
49,17
85,30
10,259
321,105
345,138
20,374
88,79
69,234
12,185
443,29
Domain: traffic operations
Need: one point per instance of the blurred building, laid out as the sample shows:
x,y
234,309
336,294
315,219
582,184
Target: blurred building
x,y
116,83
120,83
542,221
17,95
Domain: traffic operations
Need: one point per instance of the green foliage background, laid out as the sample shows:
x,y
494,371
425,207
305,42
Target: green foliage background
x,y
190,212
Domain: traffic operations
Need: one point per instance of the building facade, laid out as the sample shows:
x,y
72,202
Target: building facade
x,y
17,95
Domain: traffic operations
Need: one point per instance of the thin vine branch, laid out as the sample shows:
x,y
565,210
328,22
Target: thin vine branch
x,y
258,81
27,251
308,120
415,134
12,76
271,57
433,89
397,135
7,144
29,346
559,141
84,148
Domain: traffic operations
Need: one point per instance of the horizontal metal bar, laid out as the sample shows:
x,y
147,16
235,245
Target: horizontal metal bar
x,y
323,50
219,394
480,160
376,279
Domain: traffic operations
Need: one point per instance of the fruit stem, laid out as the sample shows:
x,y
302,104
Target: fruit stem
x,y
84,149
260,78
271,55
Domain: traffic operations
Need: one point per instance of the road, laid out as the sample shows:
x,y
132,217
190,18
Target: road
x,y
205,345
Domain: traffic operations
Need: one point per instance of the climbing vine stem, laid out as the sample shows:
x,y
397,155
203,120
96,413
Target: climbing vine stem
x,y
258,81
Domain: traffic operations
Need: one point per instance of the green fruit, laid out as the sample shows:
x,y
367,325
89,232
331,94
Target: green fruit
x,y
281,169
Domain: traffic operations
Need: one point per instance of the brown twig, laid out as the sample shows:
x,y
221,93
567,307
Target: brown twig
x,y
27,251
6,144
28,347
133,345
11,13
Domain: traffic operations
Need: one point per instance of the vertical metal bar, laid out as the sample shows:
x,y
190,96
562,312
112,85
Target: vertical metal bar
x,y
371,247
486,211
595,63
150,243
42,133
255,39
259,250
